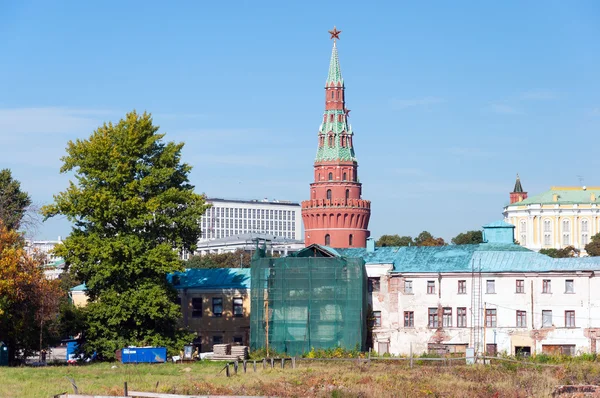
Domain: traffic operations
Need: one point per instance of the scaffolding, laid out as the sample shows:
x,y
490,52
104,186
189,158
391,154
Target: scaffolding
x,y
299,303
477,315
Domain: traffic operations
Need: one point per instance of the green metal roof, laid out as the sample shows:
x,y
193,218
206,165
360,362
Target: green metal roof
x,y
461,258
212,278
335,72
566,195
499,224
79,288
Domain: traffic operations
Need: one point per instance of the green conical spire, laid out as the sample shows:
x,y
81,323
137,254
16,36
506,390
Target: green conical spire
x,y
518,186
335,72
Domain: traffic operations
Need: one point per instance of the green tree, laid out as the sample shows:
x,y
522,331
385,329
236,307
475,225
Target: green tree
x,y
13,201
133,211
394,240
565,252
593,248
426,239
223,260
468,238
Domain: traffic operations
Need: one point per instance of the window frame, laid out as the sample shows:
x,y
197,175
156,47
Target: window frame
x,y
546,286
490,283
572,284
216,304
447,317
570,319
491,318
410,285
461,317
520,287
409,319
376,319
521,319
462,286
238,304
430,287
433,321
547,315
197,312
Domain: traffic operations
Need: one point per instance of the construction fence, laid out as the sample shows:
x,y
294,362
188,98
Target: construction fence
x,y
300,303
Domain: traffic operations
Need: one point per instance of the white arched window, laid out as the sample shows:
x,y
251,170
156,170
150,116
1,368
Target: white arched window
x,y
584,232
523,232
566,233
547,232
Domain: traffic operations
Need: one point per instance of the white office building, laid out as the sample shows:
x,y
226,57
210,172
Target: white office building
x,y
228,218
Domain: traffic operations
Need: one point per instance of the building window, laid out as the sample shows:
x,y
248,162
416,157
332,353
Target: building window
x,y
345,176
376,318
490,318
520,286
347,194
217,340
569,319
329,194
547,226
490,287
330,176
196,307
430,287
327,240
546,286
546,318
584,226
569,288
433,318
350,240
566,232
238,306
521,319
408,287
409,319
373,284
447,317
217,307
461,317
239,340
462,287
523,232
547,239
584,239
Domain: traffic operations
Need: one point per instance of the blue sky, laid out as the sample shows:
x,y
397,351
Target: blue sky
x,y
449,99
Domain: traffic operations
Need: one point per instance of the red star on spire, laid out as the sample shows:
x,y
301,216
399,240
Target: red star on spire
x,y
347,112
335,34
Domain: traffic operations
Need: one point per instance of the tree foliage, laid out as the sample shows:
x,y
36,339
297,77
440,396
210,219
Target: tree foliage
x,y
565,252
593,248
28,301
394,240
423,239
468,238
133,211
222,260
13,201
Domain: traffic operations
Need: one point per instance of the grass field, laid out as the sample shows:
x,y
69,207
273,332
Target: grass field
x,y
310,379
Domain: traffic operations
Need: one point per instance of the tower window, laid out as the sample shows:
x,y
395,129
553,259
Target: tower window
x,y
330,176
348,196
345,176
350,240
329,194
327,240
332,94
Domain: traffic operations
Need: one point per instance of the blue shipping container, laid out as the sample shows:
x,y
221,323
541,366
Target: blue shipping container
x,y
144,355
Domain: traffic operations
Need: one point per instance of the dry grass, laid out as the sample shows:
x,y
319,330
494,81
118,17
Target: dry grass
x,y
311,379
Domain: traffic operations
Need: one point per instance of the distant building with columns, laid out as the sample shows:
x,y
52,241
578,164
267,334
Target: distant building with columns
x,y
560,217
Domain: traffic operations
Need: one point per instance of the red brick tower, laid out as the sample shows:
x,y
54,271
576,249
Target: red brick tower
x,y
517,194
336,215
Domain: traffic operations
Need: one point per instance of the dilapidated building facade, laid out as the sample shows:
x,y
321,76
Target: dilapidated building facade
x,y
496,297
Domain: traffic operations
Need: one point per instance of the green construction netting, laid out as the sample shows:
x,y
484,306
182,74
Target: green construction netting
x,y
312,302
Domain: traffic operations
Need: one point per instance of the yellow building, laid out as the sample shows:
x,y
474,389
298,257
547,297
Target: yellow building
x,y
560,217
215,304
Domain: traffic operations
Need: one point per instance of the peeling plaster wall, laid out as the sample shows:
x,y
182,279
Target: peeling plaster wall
x,y
392,301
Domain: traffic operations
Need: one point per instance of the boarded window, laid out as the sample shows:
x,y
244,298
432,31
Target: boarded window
x,y
563,349
383,347
408,287
569,288
546,318
490,287
491,350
